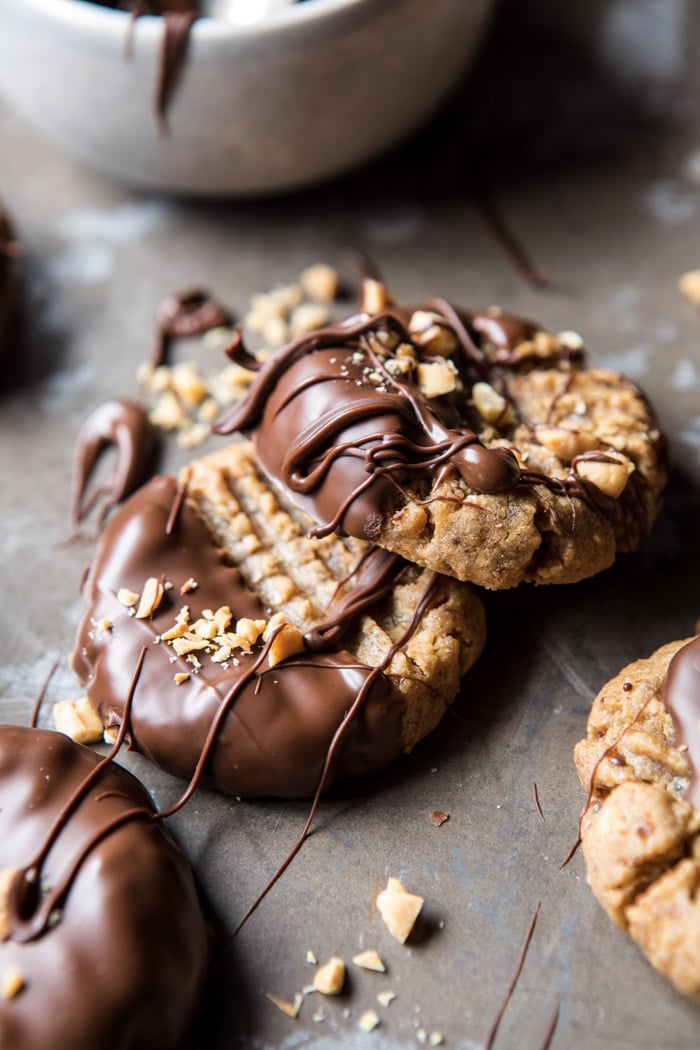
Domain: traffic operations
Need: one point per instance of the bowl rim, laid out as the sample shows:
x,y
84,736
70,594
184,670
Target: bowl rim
x,y
110,19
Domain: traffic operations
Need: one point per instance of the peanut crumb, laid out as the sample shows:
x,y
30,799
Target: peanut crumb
x,y
369,960
436,1038
689,285
290,1009
181,677
330,978
369,1020
151,597
386,998
399,909
189,586
12,983
438,817
311,958
78,720
320,282
127,598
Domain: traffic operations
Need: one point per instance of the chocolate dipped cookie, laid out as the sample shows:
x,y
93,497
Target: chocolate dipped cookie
x,y
473,443
102,940
274,662
640,830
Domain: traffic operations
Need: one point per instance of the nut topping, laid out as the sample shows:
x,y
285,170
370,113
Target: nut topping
x,y
610,474
330,978
78,720
399,909
151,597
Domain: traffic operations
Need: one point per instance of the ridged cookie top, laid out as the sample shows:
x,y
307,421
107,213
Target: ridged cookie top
x,y
209,695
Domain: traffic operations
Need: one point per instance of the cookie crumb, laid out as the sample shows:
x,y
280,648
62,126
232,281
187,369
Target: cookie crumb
x,y
399,909
12,983
330,978
290,1009
369,1020
369,960
689,285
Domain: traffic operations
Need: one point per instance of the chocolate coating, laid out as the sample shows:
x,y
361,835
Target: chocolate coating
x,y
682,700
121,963
123,425
276,725
341,427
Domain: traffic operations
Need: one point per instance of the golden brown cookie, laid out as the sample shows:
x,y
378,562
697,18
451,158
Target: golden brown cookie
x,y
641,827
475,444
262,643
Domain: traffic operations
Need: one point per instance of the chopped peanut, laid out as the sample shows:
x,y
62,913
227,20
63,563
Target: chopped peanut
x,y
399,909
330,978
78,720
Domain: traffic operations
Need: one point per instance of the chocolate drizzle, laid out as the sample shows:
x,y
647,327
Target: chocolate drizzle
x,y
190,312
104,921
340,425
178,17
682,700
124,426
242,726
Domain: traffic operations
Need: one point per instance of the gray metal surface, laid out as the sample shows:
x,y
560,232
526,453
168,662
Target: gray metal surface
x,y
614,228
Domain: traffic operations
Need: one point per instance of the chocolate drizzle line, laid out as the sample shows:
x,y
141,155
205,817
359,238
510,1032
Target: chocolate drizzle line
x,y
551,1027
34,717
488,1042
25,887
178,17
536,797
335,745
178,25
514,252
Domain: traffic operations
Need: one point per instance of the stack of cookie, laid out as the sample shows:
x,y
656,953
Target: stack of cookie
x,y
300,607
305,596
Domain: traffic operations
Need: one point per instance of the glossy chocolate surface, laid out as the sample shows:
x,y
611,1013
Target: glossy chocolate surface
x,y
341,427
178,16
276,725
682,700
121,962
124,427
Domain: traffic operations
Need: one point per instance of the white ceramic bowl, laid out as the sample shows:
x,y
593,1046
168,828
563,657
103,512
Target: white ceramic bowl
x,y
313,91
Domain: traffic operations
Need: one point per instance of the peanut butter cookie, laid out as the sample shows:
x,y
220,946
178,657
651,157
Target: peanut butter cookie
x,y
475,444
640,830
270,656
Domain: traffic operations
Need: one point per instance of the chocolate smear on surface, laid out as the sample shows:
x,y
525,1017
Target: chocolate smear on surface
x,y
123,426
190,312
